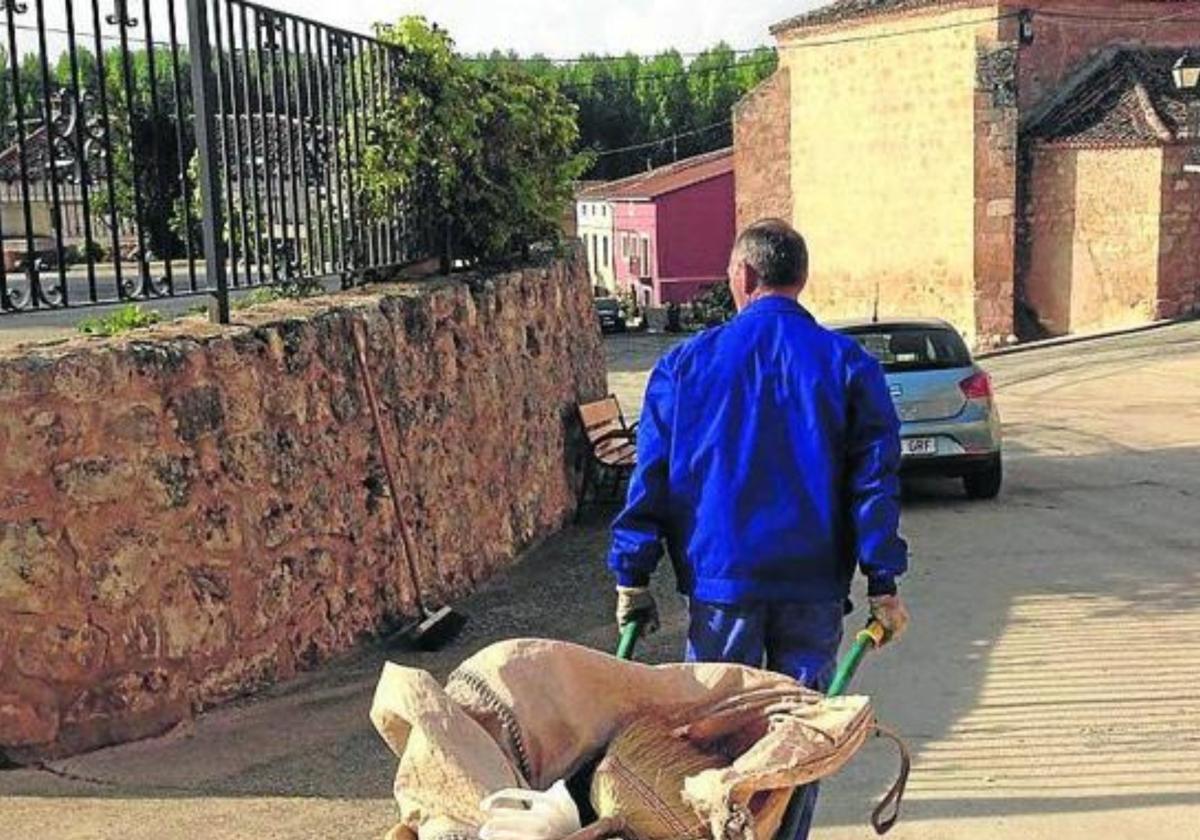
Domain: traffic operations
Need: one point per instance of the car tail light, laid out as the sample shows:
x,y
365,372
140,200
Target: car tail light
x,y
977,386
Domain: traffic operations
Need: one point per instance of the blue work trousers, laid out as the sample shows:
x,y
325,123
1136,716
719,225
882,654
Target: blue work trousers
x,y
800,640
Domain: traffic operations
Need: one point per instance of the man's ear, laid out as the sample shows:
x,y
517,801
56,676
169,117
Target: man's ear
x,y
749,279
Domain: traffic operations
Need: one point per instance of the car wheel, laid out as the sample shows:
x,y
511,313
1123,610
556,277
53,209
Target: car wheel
x,y
986,483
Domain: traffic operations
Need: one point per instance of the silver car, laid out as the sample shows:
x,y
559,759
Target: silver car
x,y
951,425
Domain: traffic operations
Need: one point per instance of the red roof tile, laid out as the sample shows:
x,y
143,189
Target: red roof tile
x,y
646,186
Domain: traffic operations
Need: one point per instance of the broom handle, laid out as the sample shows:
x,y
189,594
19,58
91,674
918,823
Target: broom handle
x,y
410,548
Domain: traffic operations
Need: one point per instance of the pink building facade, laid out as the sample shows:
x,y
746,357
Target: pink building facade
x,y
673,229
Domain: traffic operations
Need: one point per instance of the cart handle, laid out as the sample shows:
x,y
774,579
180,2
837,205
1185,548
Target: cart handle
x,y
630,634
869,638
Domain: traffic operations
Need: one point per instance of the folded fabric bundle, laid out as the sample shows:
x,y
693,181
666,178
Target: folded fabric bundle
x,y
641,781
528,713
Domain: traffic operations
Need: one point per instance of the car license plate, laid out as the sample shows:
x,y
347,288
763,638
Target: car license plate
x,y
919,447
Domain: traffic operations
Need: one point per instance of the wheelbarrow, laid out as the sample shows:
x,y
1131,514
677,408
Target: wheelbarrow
x,y
867,639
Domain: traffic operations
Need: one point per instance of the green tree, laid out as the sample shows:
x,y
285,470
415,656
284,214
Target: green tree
x,y
665,105
489,149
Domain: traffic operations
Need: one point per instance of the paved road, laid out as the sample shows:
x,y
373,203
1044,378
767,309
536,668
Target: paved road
x,y
1049,688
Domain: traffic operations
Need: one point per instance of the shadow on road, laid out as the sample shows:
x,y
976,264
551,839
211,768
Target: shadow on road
x,y
1051,668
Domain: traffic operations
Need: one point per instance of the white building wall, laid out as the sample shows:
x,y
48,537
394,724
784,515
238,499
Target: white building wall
x,y
595,224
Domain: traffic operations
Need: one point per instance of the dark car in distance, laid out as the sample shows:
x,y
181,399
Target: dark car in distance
x,y
612,318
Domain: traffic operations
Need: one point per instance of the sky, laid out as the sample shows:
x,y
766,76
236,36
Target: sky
x,y
571,27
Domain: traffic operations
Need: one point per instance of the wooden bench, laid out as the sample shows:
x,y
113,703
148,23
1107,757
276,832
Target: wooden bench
x,y
612,449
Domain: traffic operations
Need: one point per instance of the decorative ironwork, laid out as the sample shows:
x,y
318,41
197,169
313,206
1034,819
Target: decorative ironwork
x,y
128,184
120,15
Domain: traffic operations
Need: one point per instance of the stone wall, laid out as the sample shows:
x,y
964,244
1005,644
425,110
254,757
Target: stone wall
x,y
1061,45
761,143
1179,258
1094,218
1050,228
883,168
996,181
192,513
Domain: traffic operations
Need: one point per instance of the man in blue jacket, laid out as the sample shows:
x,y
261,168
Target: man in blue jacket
x,y
768,462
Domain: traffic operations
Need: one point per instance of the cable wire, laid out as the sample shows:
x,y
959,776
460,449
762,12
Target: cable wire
x,y
662,141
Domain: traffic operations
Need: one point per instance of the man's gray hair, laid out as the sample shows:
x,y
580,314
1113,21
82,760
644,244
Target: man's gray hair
x,y
776,252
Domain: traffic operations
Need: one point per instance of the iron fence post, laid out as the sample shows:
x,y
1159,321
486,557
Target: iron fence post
x,y
204,97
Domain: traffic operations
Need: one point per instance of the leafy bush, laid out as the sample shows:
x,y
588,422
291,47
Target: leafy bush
x,y
491,156
714,306
128,317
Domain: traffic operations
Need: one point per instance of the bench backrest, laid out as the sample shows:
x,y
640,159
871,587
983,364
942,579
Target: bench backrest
x,y
601,418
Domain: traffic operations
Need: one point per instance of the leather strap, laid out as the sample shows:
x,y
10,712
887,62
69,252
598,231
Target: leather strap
x,y
887,812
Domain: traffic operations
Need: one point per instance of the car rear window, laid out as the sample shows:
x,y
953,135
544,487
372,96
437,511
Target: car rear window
x,y
913,348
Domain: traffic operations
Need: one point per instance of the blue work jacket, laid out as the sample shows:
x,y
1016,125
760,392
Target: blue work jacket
x,y
768,462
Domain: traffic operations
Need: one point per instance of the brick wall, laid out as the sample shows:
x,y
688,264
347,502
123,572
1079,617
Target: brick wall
x,y
1095,216
1062,45
1179,259
996,178
194,512
761,143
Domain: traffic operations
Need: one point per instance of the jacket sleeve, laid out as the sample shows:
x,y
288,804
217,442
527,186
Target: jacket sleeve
x,y
874,479
639,530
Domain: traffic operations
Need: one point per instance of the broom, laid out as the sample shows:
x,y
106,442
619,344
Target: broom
x,y
433,628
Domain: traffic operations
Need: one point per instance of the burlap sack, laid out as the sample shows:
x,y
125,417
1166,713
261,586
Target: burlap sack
x,y
528,713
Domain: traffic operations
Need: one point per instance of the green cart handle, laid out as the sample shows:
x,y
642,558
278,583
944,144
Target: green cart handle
x,y
630,634
869,638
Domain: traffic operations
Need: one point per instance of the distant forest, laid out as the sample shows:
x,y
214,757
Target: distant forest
x,y
671,106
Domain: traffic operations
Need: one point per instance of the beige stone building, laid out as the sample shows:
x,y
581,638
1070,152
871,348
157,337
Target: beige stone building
x,y
966,159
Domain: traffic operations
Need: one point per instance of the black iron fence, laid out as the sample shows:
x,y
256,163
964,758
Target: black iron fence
x,y
164,148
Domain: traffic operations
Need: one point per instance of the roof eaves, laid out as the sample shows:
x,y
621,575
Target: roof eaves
x,y
1069,90
831,16
1153,117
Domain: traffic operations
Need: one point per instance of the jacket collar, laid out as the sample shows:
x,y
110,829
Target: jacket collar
x,y
775,303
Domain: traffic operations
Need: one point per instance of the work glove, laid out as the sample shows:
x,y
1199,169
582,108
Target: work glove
x,y
635,603
529,815
891,613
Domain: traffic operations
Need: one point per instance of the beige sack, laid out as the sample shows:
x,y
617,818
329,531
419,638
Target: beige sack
x,y
528,713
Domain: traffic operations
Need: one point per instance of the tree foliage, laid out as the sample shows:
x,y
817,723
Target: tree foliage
x,y
679,107
492,154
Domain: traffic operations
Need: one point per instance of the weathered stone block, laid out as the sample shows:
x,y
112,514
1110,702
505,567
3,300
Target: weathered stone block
x,y
94,480
198,412
30,567
25,722
74,651
196,616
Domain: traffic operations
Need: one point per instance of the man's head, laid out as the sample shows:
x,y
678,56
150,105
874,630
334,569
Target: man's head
x,y
769,258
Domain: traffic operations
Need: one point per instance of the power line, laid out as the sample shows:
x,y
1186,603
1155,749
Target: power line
x,y
663,140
